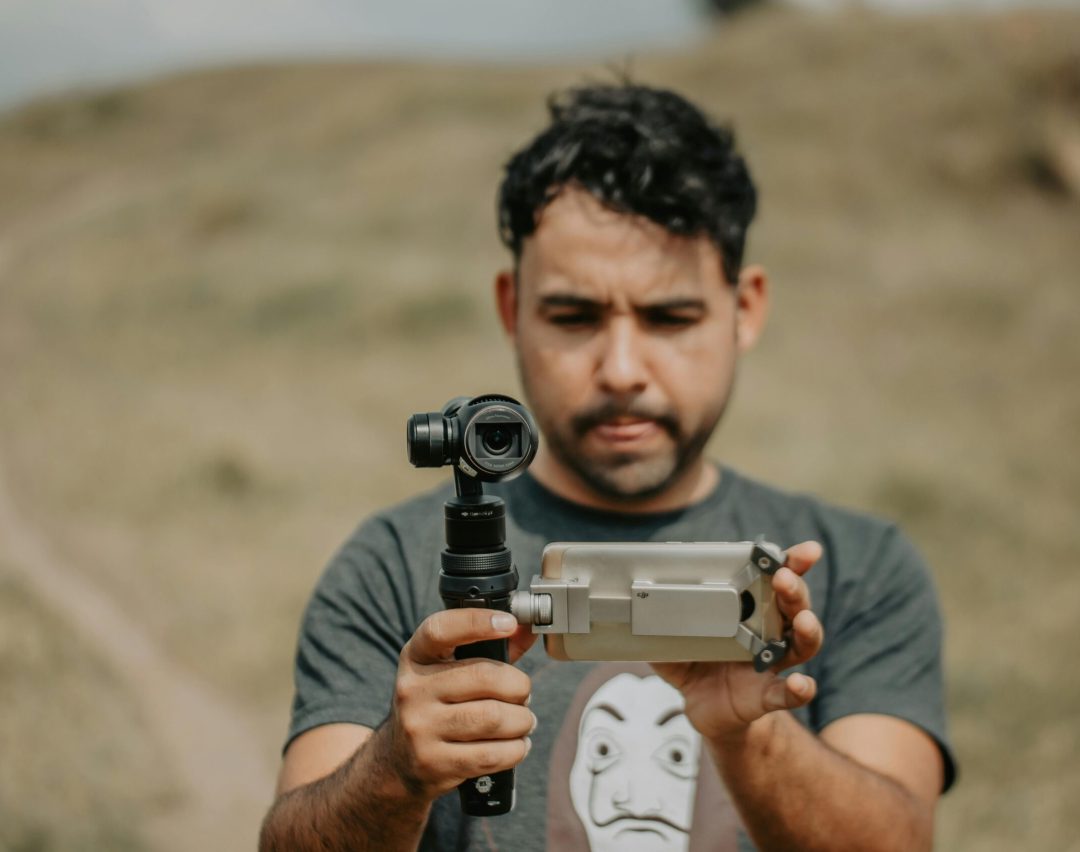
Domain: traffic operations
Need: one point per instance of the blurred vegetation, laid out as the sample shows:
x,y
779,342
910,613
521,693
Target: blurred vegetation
x,y
81,768
223,293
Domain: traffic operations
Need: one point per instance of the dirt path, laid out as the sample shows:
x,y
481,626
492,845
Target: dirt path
x,y
225,774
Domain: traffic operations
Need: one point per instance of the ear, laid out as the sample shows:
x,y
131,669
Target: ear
x,y
506,301
751,306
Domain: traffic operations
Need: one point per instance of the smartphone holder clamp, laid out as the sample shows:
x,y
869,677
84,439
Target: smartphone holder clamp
x,y
715,607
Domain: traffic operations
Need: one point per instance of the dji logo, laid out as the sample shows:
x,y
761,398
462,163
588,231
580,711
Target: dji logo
x,y
484,784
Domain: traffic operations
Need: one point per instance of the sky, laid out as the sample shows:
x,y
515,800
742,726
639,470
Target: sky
x,y
52,45
47,45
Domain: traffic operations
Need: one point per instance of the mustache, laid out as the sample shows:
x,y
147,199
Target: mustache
x,y
609,409
637,818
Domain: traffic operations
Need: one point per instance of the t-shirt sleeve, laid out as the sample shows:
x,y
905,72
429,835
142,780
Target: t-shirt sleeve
x,y
353,629
883,651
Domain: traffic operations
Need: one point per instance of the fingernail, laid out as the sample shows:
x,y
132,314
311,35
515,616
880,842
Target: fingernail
x,y
528,699
535,720
504,622
798,684
528,746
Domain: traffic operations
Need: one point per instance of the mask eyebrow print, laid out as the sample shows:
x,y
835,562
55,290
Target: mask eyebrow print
x,y
671,714
607,708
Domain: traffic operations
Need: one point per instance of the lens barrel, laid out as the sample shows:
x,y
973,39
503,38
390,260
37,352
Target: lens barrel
x,y
428,444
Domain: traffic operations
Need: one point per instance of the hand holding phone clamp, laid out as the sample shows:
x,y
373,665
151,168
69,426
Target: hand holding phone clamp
x,y
486,439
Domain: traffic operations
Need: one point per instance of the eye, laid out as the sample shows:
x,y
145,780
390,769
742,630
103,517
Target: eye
x,y
669,320
601,751
678,757
576,320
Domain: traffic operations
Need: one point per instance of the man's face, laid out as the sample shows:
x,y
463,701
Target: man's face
x,y
626,345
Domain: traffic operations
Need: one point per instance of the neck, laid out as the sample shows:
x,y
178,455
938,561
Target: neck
x,y
692,486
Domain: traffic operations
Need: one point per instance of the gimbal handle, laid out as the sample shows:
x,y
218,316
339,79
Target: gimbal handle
x,y
478,571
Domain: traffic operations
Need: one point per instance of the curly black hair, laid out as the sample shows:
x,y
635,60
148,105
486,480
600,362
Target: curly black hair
x,y
639,150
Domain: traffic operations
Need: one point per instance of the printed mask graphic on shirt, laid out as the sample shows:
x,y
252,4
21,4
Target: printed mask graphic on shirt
x,y
634,775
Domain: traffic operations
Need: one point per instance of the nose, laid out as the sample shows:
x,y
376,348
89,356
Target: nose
x,y
621,370
635,796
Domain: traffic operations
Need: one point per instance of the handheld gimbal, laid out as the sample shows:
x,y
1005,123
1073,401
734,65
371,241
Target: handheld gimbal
x,y
486,439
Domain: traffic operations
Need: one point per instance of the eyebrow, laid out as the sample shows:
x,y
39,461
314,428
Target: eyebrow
x,y
667,717
566,300
675,305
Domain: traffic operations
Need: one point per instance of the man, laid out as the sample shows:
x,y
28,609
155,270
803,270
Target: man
x,y
628,305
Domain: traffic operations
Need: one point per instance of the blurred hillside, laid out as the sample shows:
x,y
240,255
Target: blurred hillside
x,y
222,294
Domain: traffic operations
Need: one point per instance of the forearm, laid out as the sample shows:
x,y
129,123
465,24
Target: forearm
x,y
794,792
363,805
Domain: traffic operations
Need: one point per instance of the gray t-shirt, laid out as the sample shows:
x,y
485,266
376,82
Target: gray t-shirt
x,y
611,761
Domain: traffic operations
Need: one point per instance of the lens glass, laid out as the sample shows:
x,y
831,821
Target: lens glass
x,y
496,440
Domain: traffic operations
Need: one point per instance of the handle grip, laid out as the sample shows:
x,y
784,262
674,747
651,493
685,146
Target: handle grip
x,y
487,795
493,794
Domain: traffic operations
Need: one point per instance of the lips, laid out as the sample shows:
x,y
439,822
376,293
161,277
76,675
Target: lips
x,y
626,430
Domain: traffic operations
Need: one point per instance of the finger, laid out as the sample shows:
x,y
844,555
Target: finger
x,y
521,641
807,637
474,721
787,693
439,634
802,557
469,680
673,673
470,760
792,593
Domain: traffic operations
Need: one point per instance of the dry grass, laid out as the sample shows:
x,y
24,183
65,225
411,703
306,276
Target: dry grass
x,y
81,768
224,293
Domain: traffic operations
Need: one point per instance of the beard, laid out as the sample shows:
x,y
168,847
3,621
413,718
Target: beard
x,y
625,477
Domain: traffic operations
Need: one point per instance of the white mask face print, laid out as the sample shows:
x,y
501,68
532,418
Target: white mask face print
x,y
634,775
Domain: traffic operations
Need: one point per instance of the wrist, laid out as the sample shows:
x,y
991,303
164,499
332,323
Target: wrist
x,y
386,763
757,737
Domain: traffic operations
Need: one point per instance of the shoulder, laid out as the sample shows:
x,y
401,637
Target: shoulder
x,y
391,546
416,518
808,513
865,556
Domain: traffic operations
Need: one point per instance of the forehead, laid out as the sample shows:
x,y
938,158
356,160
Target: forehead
x,y
582,247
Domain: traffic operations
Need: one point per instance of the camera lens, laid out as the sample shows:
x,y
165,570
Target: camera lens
x,y
426,439
496,441
498,438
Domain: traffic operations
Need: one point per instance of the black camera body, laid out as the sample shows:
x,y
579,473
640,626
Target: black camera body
x,y
485,439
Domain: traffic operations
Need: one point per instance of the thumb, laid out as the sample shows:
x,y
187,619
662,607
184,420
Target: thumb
x,y
802,557
787,693
521,641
